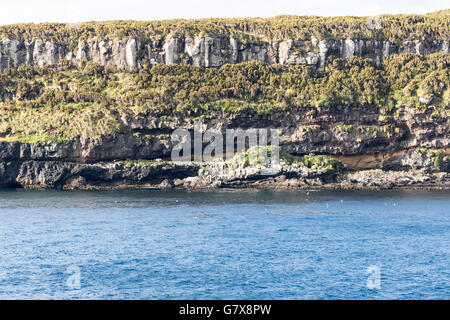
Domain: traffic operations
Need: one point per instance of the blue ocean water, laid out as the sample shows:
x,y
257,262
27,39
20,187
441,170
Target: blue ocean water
x,y
226,244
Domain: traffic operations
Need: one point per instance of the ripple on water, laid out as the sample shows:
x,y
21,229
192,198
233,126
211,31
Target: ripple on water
x,y
225,244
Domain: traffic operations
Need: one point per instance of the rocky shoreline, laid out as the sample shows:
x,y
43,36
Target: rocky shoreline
x,y
191,175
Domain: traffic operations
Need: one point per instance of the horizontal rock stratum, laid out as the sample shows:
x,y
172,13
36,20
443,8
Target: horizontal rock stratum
x,y
204,52
286,40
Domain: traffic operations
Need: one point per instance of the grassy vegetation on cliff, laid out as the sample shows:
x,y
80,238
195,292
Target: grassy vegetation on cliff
x,y
64,101
428,27
263,155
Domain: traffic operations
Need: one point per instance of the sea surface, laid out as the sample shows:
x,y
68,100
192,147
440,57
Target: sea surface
x,y
226,244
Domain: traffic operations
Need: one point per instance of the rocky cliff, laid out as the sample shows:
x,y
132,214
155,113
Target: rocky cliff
x,y
412,152
204,51
338,131
286,40
356,103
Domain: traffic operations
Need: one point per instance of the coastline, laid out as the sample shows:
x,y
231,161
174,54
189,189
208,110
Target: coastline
x,y
262,160
104,110
210,175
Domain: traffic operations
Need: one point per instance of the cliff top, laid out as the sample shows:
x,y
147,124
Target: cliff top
x,y
426,27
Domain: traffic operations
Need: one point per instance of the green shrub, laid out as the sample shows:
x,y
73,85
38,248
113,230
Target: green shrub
x,y
323,162
66,100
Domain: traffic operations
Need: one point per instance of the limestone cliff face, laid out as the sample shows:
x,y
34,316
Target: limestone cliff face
x,y
204,51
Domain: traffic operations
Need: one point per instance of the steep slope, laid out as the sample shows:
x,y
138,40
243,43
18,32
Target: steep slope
x,y
94,104
287,40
